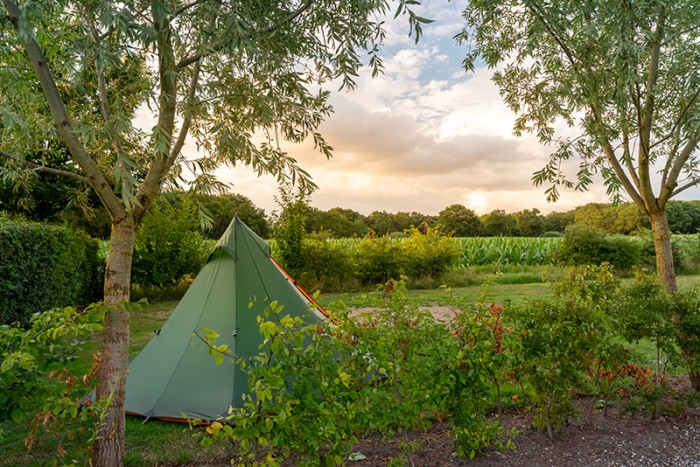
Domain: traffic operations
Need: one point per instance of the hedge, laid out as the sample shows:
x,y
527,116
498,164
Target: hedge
x,y
44,266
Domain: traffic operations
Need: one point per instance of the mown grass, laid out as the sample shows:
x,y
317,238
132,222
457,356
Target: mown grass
x,y
160,443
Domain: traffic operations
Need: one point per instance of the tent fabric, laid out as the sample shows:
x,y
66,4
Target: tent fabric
x,y
174,376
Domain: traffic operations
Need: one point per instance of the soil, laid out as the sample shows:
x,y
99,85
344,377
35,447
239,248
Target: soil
x,y
597,439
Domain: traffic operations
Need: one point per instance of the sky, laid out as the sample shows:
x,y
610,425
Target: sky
x,y
424,135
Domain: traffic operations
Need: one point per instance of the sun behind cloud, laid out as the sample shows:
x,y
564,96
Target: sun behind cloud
x,y
477,201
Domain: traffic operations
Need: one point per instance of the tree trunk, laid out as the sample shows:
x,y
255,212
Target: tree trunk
x,y
694,379
667,274
664,254
109,447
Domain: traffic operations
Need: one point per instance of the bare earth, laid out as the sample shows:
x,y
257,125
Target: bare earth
x,y
613,440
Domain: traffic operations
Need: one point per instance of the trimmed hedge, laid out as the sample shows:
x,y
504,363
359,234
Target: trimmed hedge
x,y
44,266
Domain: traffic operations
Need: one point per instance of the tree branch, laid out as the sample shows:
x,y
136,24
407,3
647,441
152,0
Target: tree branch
x,y
627,157
106,112
553,34
187,121
167,101
186,7
61,119
648,109
677,123
668,190
217,47
42,168
690,184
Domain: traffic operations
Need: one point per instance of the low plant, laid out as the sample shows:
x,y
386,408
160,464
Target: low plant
x,y
415,356
558,335
485,349
428,253
302,395
378,259
35,385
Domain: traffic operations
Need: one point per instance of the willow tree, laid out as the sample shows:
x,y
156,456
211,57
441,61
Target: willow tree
x,y
236,76
625,74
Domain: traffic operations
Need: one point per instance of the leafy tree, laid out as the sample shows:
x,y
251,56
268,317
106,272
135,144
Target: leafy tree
x,y
683,216
460,221
168,245
222,208
381,222
530,222
499,224
290,229
220,72
628,219
624,73
336,221
594,215
558,221
43,196
615,219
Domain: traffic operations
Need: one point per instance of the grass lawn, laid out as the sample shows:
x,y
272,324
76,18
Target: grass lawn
x,y
160,443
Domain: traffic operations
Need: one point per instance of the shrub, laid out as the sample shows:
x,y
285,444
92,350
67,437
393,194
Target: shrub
x,y
583,245
325,266
26,384
42,267
311,414
428,254
552,234
168,245
378,259
289,230
679,250
561,339
686,311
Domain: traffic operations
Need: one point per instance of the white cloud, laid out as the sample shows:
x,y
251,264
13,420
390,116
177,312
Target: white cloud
x,y
420,137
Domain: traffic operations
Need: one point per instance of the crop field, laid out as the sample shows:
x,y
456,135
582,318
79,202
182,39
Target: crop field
x,y
526,251
481,251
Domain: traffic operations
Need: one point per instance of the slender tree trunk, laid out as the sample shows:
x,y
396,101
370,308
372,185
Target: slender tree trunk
x,y
664,254
109,447
694,379
665,270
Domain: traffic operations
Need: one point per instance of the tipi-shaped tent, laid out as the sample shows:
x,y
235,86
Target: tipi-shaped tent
x,y
175,374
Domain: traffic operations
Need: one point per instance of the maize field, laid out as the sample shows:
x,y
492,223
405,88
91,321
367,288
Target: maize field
x,y
479,251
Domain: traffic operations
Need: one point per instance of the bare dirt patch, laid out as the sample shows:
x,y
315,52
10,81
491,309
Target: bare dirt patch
x,y
612,439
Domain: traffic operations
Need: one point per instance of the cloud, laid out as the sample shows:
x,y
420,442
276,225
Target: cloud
x,y
420,137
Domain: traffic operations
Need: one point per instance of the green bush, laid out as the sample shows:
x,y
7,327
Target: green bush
x,y
394,369
378,259
168,245
27,383
428,254
563,339
584,245
686,311
44,266
325,266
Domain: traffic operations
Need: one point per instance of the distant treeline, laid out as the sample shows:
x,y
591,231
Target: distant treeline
x,y
460,221
456,219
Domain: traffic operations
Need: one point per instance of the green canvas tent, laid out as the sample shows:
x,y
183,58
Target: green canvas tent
x,y
175,374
